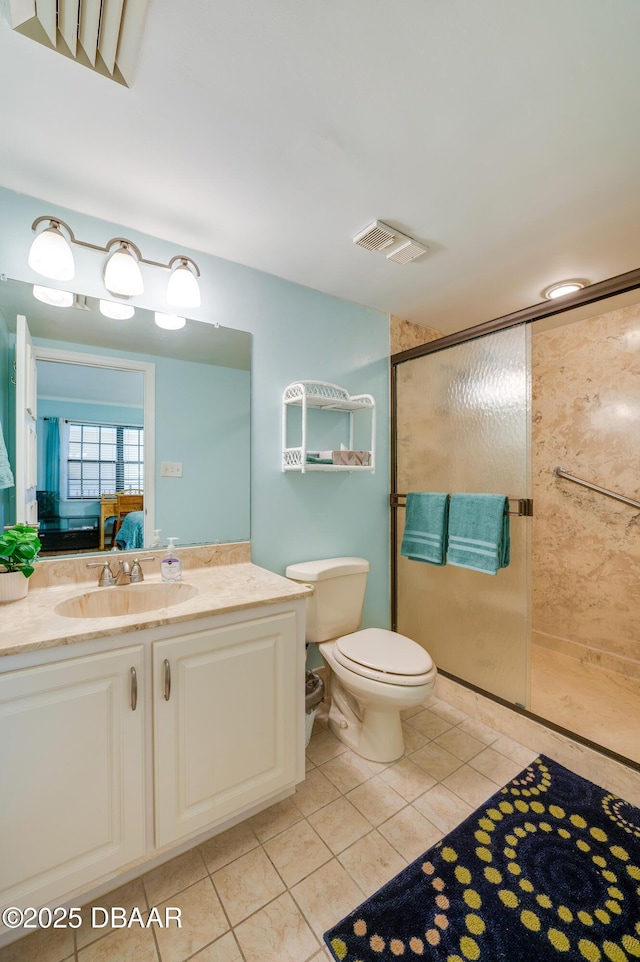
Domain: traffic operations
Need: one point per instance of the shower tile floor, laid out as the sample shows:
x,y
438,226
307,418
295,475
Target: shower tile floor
x,y
267,889
603,706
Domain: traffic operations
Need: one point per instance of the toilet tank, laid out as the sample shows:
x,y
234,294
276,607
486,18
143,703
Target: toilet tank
x,y
335,608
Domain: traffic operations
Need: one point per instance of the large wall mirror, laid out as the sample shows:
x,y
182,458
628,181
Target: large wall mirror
x,y
137,429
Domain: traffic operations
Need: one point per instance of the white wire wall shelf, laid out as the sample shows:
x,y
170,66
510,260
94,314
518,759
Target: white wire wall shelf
x,y
328,397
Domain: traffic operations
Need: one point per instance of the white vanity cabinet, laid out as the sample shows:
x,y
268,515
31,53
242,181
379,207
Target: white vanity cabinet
x,y
71,774
225,713
115,756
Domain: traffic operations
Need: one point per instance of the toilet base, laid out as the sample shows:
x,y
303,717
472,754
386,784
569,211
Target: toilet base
x,y
377,737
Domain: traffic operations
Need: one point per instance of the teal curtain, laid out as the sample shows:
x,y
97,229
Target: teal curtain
x,y
52,455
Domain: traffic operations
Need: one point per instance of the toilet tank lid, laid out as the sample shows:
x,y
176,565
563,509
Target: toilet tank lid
x,y
326,568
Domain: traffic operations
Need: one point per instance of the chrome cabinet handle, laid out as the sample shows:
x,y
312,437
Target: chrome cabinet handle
x,y
134,690
167,680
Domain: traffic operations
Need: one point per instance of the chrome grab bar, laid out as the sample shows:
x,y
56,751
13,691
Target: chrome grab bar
x,y
561,473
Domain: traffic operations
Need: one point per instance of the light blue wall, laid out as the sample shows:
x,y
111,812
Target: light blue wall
x,y
202,420
298,334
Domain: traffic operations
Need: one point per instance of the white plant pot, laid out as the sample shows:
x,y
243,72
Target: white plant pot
x,y
13,586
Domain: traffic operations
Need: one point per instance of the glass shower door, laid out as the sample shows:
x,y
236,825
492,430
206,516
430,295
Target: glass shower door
x,y
462,425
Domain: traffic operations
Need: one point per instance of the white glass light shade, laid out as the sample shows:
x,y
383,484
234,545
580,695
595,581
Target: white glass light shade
x,y
122,274
170,322
118,312
51,255
183,289
49,295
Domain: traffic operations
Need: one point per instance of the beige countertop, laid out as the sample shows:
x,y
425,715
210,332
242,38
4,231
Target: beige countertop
x,y
33,623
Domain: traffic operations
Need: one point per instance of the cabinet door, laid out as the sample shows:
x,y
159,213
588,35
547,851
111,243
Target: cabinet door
x,y
225,721
72,780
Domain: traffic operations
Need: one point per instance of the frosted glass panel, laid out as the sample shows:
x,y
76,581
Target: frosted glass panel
x,y
462,425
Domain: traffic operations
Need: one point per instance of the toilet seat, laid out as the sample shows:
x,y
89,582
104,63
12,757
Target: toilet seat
x,y
384,656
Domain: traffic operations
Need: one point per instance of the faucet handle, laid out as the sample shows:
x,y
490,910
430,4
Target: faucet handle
x,y
136,569
107,577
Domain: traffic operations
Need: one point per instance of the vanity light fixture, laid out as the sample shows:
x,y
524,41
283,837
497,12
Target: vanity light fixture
x,y
122,274
51,256
183,289
563,287
50,295
118,312
169,322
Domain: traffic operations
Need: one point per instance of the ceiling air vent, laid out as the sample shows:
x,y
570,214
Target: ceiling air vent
x,y
397,246
408,251
104,35
376,236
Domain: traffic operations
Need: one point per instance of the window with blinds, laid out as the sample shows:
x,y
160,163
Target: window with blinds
x,y
103,458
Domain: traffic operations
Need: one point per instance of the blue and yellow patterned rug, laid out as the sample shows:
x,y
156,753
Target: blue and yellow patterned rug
x,y
548,870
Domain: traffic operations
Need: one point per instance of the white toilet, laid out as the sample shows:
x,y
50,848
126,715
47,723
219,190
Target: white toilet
x,y
374,674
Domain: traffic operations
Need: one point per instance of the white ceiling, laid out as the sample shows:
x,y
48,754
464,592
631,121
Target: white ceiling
x,y
504,134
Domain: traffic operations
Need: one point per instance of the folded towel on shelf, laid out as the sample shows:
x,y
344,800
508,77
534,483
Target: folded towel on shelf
x,y
479,532
425,527
319,457
6,475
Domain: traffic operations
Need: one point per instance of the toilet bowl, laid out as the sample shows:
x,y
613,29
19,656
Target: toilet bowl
x,y
374,674
367,699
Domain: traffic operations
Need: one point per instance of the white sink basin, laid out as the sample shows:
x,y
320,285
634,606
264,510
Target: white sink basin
x,y
126,600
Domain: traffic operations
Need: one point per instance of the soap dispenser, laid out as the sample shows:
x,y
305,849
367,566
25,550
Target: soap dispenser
x,y
171,566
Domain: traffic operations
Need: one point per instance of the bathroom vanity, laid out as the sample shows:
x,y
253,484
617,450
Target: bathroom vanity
x,y
127,738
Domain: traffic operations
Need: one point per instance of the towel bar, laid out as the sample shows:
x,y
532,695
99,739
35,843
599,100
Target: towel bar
x,y
525,505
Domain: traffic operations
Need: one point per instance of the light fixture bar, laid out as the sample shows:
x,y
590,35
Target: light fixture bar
x,y
184,270
112,242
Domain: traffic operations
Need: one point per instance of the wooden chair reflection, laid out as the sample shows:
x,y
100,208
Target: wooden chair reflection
x,y
118,505
108,509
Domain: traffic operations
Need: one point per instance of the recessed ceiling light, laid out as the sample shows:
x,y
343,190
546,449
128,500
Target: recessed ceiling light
x,y
562,288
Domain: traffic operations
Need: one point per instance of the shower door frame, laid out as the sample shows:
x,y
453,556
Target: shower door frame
x,y
600,291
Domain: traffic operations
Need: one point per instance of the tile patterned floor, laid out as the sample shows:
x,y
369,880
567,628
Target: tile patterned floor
x,y
267,889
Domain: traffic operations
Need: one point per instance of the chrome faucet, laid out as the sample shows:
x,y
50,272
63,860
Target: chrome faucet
x,y
123,574
127,574
107,577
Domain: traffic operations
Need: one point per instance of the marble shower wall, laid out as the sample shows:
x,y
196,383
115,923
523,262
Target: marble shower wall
x,y
405,334
586,547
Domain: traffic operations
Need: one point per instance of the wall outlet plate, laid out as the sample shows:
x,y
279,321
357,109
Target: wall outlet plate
x,y
171,469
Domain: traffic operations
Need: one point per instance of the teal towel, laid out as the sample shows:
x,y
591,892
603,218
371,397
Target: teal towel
x,y
425,527
6,475
316,459
479,532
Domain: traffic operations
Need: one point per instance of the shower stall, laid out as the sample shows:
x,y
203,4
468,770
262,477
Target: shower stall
x,y
544,407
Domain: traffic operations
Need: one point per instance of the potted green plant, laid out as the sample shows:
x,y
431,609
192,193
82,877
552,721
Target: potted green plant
x,y
19,548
